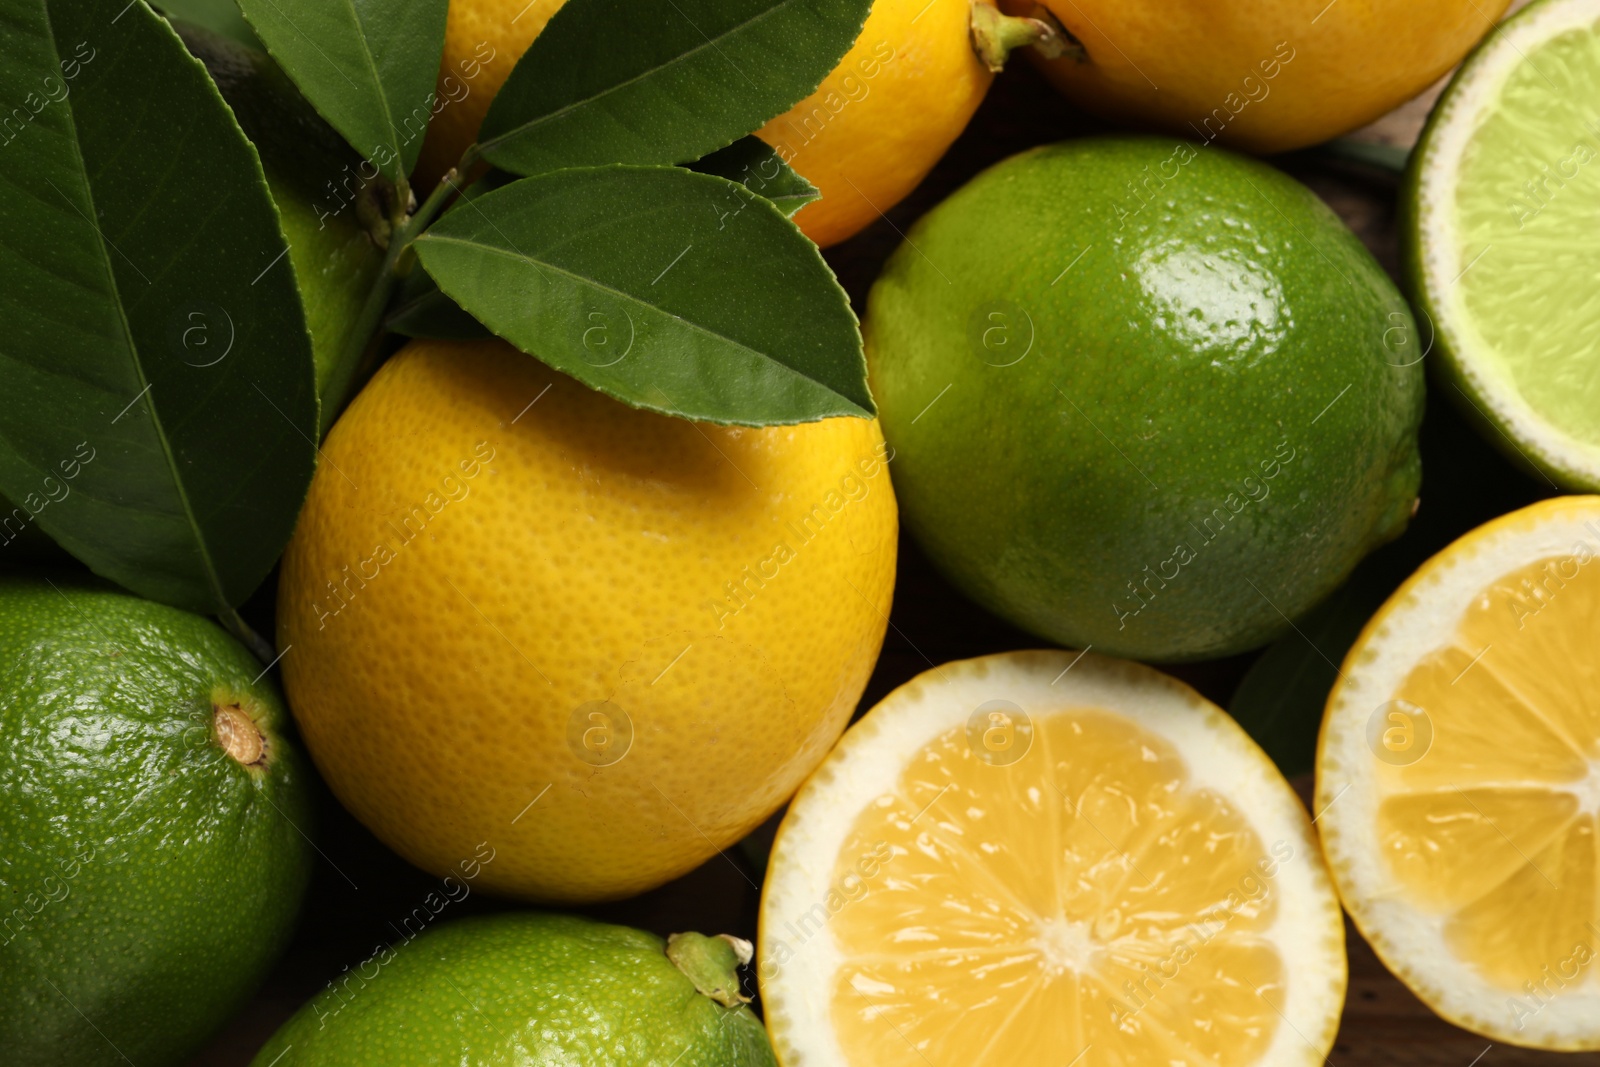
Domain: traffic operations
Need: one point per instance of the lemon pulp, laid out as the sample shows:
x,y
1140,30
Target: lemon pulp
x,y
1087,894
1493,828
1527,200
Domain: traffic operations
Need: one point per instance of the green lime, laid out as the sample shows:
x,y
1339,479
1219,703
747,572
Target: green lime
x,y
151,813
1144,395
1501,207
531,988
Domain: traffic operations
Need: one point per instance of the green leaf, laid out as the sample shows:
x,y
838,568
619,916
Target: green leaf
x,y
754,164
421,310
679,292
661,81
157,402
1281,698
323,204
369,66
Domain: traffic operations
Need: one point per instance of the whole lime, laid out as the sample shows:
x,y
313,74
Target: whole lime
x,y
532,988
151,853
1144,395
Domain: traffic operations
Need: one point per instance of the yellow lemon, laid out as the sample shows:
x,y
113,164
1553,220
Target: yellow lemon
x,y
1459,778
1268,75
880,121
520,618
1047,857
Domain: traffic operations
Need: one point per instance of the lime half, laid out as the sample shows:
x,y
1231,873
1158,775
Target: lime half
x,y
1504,216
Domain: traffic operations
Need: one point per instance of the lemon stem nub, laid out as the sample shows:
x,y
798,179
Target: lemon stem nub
x,y
712,964
995,36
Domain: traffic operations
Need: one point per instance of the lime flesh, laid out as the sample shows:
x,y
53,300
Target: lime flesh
x,y
1515,199
1505,204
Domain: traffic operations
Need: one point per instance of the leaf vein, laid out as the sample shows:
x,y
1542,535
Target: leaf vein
x,y
631,298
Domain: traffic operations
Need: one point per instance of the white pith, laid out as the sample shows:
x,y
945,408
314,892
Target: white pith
x,y
869,761
1473,94
1420,618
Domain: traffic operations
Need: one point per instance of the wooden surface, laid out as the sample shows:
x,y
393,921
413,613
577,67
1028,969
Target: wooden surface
x,y
1383,1024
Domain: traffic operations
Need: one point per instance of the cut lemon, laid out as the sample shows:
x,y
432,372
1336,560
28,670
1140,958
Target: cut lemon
x,y
1043,858
1503,205
1458,777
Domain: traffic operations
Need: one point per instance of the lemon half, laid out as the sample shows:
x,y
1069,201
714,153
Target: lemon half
x,y
1041,857
1459,779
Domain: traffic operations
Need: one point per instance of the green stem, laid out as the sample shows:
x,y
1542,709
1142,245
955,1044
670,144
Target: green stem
x,y
249,638
383,286
996,36
712,964
424,215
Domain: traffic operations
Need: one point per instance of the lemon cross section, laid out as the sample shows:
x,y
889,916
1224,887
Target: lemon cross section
x,y
1460,769
1033,857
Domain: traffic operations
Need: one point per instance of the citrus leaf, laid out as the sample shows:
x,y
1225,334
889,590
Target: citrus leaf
x,y
661,81
679,292
157,401
754,164
1281,698
369,66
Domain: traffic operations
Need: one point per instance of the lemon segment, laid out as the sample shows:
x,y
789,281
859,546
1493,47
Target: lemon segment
x,y
1460,772
992,869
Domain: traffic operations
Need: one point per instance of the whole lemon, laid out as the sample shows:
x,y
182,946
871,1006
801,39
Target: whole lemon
x,y
1262,75
604,641
880,121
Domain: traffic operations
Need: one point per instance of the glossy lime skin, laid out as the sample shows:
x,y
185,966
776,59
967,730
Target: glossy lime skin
x,y
148,878
526,988
1144,395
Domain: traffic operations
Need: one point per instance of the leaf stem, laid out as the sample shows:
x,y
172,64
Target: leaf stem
x,y
424,215
383,286
248,637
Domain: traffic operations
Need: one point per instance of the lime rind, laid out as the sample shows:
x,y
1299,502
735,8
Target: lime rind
x,y
1503,205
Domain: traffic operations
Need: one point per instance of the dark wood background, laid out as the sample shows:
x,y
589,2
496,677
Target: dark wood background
x,y
1465,482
